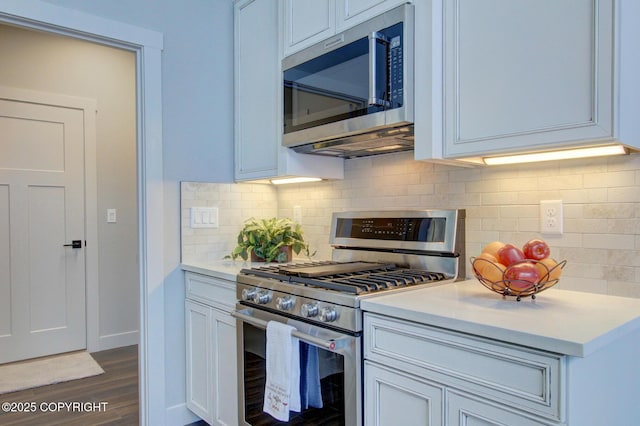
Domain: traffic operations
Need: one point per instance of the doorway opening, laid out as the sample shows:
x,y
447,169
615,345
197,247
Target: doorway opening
x,y
96,84
147,46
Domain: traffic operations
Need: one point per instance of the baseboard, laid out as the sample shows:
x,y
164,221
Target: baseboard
x,y
179,415
119,340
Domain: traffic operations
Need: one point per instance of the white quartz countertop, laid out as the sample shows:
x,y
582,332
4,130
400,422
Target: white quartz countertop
x,y
223,269
560,321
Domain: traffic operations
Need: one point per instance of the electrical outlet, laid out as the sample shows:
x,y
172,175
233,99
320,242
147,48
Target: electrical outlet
x,y
551,217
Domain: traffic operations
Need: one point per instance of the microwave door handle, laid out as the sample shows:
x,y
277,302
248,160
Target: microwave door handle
x,y
374,39
326,344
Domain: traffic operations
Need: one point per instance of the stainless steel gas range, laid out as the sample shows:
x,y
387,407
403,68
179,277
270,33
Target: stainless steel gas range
x,y
374,252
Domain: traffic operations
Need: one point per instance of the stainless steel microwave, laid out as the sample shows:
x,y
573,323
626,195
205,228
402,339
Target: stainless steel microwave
x,y
352,94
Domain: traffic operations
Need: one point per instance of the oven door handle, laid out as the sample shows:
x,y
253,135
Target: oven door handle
x,y
326,344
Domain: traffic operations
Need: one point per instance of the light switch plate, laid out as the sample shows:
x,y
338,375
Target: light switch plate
x,y
204,217
112,216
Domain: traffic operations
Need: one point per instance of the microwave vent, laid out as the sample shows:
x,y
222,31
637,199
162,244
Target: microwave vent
x,y
384,141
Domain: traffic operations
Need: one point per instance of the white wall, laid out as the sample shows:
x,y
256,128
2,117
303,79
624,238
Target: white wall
x,y
197,89
50,63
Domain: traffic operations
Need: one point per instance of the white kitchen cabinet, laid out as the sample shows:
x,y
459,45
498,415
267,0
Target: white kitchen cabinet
x,y
396,398
198,336
258,101
477,378
211,358
513,76
526,74
307,22
465,410
492,382
352,12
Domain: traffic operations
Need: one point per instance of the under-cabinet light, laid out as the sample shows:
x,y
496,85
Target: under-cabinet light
x,y
597,151
294,180
385,148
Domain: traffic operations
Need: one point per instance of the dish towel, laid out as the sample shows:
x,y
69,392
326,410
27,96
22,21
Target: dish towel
x,y
310,388
282,388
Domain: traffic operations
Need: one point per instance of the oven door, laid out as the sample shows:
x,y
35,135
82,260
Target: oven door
x,y
339,371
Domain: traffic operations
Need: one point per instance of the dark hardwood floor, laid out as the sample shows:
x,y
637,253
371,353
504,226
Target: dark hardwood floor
x,y
117,387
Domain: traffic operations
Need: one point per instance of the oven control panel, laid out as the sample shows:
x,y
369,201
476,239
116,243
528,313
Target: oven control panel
x,y
395,229
298,306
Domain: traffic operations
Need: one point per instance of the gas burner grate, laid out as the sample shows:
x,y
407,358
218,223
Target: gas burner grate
x,y
377,277
370,281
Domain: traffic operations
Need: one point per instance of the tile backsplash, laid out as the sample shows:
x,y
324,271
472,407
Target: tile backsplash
x,y
235,203
601,208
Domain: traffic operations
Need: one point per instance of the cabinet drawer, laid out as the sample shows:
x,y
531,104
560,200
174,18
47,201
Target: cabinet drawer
x,y
520,377
211,291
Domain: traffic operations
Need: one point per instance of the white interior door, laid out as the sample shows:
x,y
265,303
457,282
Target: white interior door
x,y
42,281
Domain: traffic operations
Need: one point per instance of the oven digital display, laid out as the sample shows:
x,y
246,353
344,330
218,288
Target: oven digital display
x,y
427,230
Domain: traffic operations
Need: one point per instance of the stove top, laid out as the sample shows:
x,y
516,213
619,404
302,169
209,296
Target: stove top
x,y
347,277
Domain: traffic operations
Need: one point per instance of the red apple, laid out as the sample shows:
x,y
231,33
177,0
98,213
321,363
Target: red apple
x,y
536,249
510,254
522,275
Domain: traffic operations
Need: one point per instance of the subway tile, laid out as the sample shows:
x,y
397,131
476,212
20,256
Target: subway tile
x,y
597,226
557,182
499,198
623,242
601,207
610,210
529,225
519,211
627,194
609,179
465,175
590,285
624,288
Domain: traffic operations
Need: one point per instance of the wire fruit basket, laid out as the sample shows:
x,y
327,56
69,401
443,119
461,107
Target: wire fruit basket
x,y
493,276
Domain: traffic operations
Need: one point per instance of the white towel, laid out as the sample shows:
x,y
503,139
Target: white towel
x,y
282,388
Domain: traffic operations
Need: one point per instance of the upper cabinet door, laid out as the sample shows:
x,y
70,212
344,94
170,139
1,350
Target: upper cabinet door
x,y
256,87
353,12
526,74
307,22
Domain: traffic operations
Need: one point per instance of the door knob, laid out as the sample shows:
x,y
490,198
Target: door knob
x,y
74,244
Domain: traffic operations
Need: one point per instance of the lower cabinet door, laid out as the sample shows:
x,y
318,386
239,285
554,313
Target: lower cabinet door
x,y
467,410
199,359
392,397
211,364
225,369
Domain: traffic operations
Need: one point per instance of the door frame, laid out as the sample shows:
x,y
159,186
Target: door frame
x,y
147,46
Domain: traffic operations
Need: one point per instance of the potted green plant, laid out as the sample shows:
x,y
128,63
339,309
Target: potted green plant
x,y
269,240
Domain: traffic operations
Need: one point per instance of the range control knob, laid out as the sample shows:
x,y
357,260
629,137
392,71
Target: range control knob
x,y
328,315
262,297
284,303
309,310
248,294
